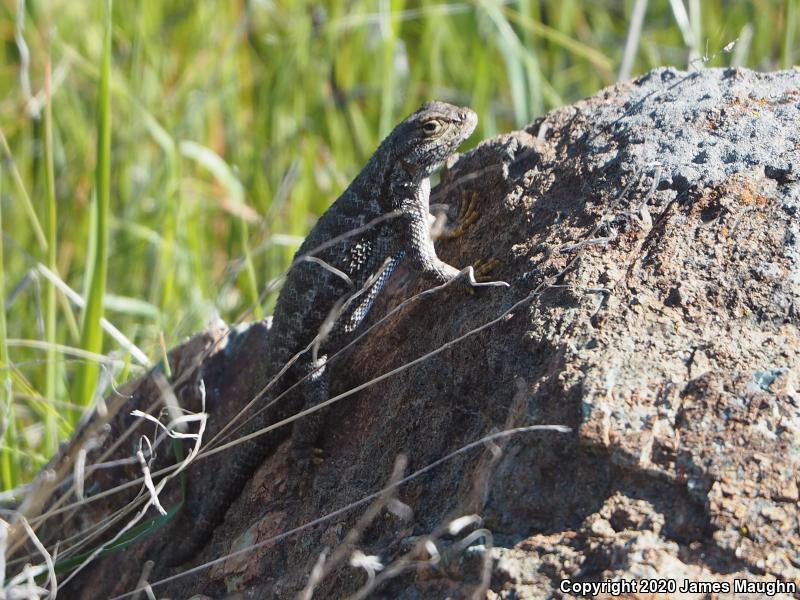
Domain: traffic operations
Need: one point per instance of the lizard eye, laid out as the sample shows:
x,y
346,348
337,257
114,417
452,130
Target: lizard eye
x,y
432,127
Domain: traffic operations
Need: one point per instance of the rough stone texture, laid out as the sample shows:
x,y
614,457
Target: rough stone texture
x,y
650,235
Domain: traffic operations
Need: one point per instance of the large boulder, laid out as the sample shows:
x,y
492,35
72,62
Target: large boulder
x,y
650,237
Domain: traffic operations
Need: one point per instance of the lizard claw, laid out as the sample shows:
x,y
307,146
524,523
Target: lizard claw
x,y
484,267
305,456
317,456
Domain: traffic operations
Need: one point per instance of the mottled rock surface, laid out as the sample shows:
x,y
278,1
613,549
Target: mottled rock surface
x,y
650,235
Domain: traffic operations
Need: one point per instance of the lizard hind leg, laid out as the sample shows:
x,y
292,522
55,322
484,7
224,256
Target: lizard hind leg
x,y
314,388
468,214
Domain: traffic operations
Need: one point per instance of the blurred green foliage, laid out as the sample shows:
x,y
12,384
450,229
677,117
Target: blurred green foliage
x,y
235,123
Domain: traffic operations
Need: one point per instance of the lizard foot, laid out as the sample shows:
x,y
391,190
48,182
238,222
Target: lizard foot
x,y
484,267
301,465
305,456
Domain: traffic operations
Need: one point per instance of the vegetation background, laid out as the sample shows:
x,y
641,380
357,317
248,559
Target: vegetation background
x,y
164,160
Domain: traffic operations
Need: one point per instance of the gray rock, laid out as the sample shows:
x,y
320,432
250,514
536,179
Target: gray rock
x,y
650,234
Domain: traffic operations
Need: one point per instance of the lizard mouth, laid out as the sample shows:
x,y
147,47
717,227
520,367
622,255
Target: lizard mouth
x,y
470,119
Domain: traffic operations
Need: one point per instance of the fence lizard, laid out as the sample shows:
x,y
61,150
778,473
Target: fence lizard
x,y
380,219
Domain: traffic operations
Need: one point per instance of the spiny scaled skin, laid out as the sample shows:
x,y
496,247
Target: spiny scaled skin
x,y
394,184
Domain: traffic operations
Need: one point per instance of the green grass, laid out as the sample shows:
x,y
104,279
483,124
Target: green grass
x,y
51,334
9,449
175,164
97,255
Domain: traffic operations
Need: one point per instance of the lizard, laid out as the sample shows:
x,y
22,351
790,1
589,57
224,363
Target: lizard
x,y
381,219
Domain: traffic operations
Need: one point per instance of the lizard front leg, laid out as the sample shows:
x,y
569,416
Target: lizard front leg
x,y
415,239
413,233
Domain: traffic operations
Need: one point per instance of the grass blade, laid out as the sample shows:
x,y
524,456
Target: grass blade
x,y
632,41
51,363
91,330
695,19
9,446
23,193
787,48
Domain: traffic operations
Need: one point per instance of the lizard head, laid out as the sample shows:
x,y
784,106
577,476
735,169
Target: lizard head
x,y
425,139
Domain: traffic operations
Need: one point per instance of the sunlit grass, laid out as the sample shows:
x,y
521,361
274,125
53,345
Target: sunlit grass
x,y
234,125
99,230
51,336
9,453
